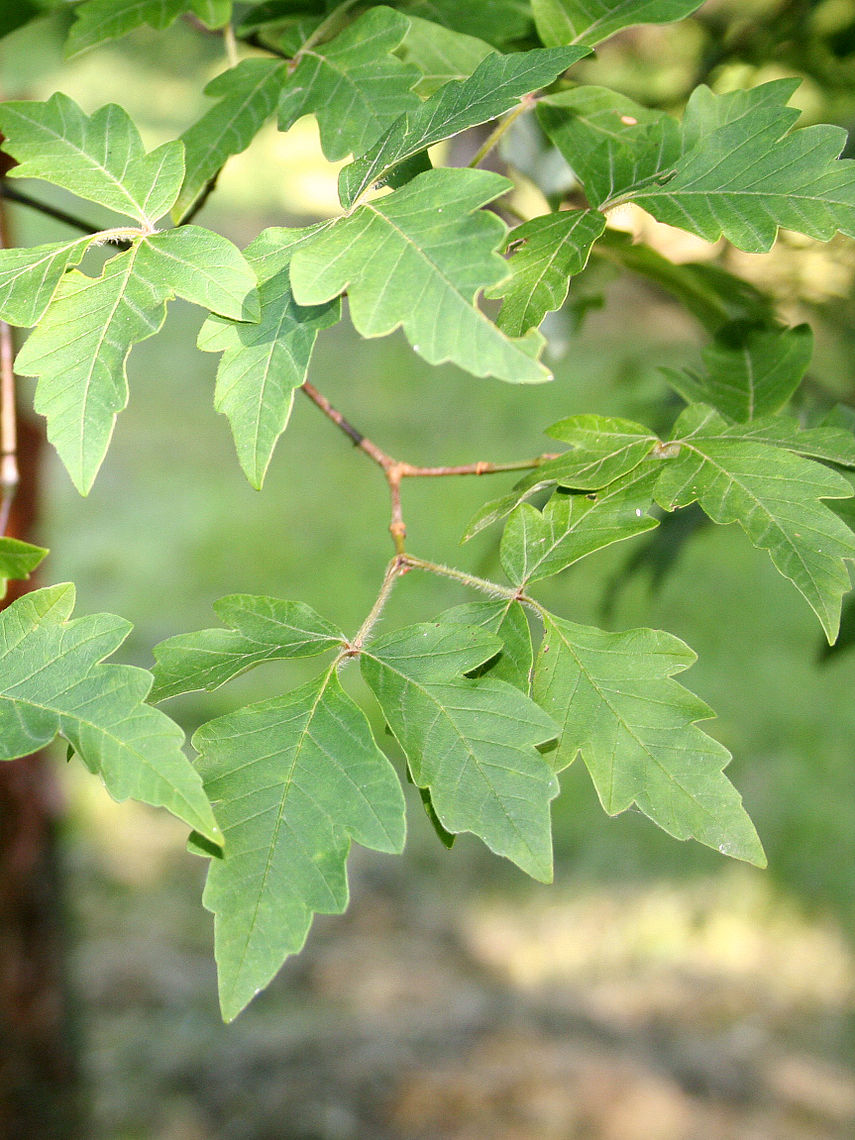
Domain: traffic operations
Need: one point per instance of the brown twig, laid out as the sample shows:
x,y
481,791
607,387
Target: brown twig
x,y
9,476
396,470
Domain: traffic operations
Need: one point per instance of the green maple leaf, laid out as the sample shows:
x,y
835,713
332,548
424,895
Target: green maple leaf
x,y
101,20
496,85
263,364
99,157
293,780
616,703
750,372
732,168
353,84
773,493
553,249
501,22
54,684
590,21
17,560
247,95
538,544
416,259
470,741
80,347
507,620
29,277
261,629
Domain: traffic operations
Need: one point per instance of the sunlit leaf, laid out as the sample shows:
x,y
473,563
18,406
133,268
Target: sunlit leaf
x,y
590,21
17,560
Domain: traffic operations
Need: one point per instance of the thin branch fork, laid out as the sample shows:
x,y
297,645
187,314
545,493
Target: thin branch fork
x,y
396,470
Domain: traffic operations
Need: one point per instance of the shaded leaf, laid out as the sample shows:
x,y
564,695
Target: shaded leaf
x,y
17,560
498,21
508,621
99,157
775,496
416,259
353,84
293,780
590,21
615,700
470,741
749,371
263,364
496,85
101,20
54,683
80,347
538,544
248,95
604,448
553,249
440,54
260,629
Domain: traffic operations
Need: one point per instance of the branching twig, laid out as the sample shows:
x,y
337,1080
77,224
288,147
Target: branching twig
x,y
395,470
54,212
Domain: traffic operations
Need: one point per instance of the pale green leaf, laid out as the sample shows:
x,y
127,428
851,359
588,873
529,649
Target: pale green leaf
x,y
260,629
750,371
603,448
439,53
293,780
99,157
496,85
775,496
247,95
17,560
547,252
470,741
353,84
263,364
212,13
416,259
506,619
80,347
590,21
53,683
537,544
616,702
29,277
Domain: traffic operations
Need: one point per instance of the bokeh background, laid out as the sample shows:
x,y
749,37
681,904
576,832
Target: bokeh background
x,y
656,991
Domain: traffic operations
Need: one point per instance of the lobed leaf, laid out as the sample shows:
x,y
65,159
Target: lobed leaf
x,y
508,621
80,347
260,629
590,21
29,277
496,85
263,364
353,84
54,684
293,780
616,703
775,496
97,21
416,259
440,54
99,157
248,96
750,371
501,22
537,544
471,742
547,252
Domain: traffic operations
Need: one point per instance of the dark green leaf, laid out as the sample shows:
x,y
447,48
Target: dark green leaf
x,y
17,560
508,621
590,21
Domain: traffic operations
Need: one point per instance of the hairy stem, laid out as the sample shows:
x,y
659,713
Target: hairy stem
x,y
396,568
494,589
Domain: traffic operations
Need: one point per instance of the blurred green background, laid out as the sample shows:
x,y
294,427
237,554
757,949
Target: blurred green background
x,y
656,990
